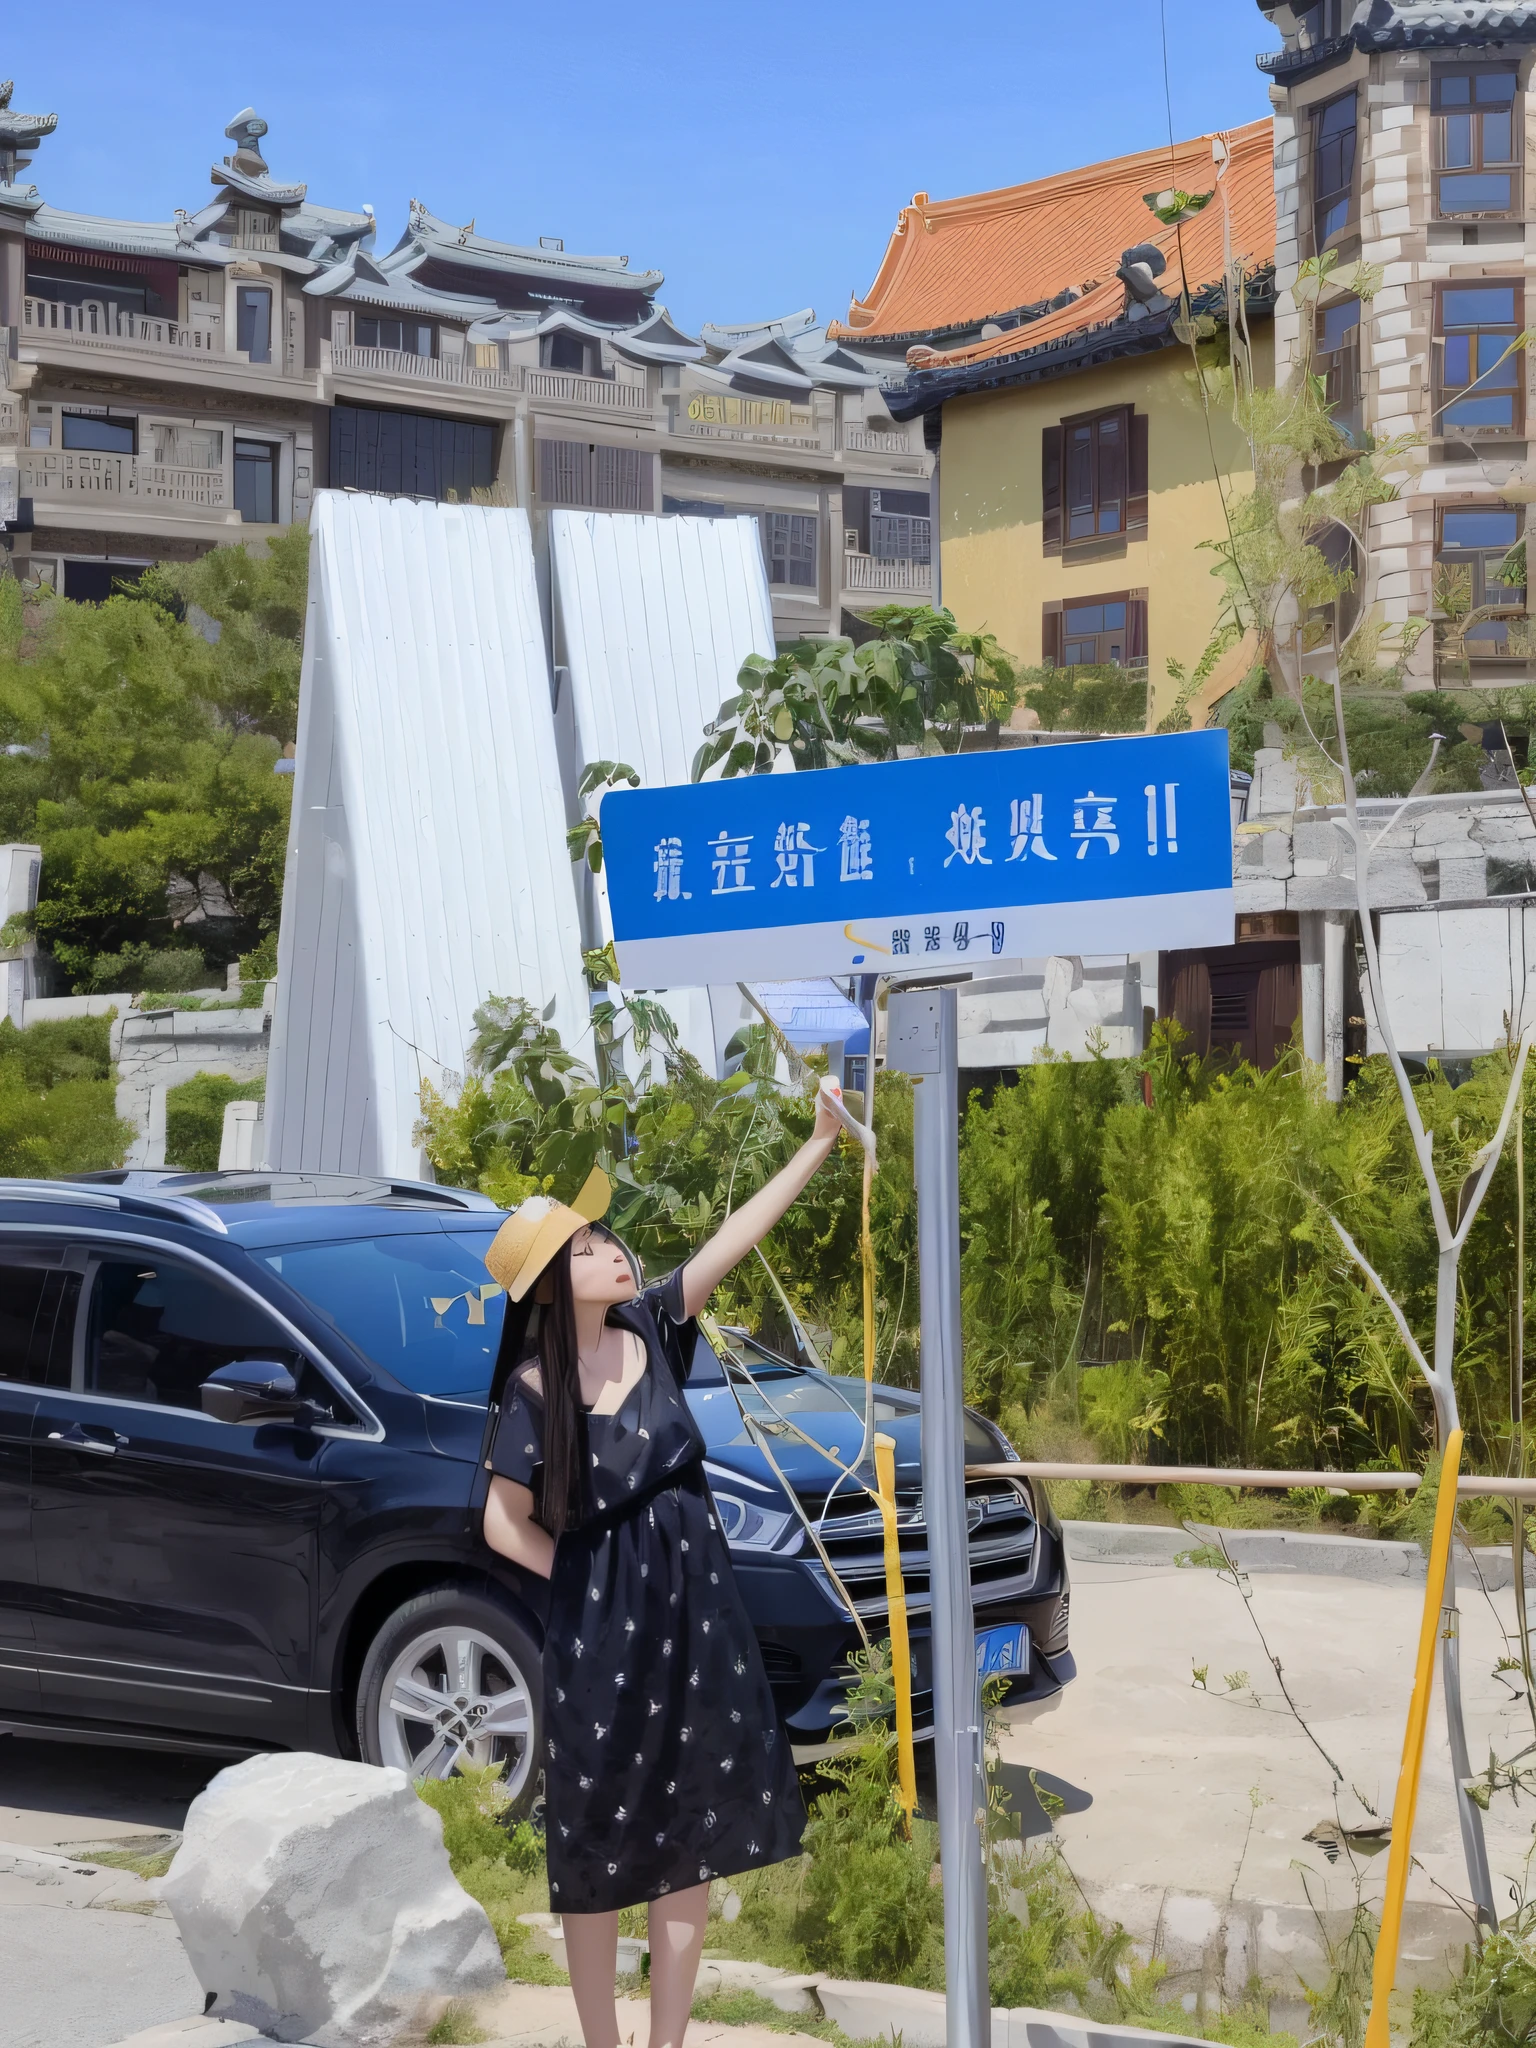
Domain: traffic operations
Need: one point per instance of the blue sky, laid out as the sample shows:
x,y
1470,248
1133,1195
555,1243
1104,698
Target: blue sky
x,y
757,155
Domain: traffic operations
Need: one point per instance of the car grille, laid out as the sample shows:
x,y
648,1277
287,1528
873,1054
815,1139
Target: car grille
x,y
1002,1542
779,1661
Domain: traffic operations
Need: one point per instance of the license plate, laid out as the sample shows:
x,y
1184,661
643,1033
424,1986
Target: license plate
x,y
1002,1652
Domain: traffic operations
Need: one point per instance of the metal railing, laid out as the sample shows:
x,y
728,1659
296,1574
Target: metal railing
x,y
599,391
397,362
869,572
1468,1485
101,323
65,473
876,442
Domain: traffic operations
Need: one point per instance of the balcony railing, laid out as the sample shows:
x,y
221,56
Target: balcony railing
x,y
875,442
86,476
99,323
395,362
869,572
605,392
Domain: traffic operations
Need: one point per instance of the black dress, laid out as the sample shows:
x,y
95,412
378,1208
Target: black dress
x,y
664,1761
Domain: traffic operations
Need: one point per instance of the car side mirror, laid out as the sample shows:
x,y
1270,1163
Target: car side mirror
x,y
253,1390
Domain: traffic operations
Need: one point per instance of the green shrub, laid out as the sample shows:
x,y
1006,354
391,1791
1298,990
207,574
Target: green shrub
x,y
1100,698
73,1128
260,965
60,1049
194,1118
142,968
871,1908
1491,2004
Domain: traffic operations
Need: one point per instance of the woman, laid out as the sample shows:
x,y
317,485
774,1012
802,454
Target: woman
x,y
664,1763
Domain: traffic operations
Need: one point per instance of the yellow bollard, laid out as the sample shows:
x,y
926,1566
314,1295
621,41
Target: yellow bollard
x,y
1400,1860
901,1646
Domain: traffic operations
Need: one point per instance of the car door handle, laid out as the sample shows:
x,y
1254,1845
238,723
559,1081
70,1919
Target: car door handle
x,y
76,1439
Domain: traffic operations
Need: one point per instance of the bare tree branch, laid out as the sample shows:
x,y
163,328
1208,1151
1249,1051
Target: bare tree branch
x,y
1409,1340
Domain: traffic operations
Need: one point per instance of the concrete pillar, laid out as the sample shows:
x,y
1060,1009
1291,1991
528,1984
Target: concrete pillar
x,y
1311,922
1335,923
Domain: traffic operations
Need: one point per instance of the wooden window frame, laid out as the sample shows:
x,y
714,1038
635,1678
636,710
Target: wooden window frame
x,y
1442,428
1339,368
1132,428
1479,560
402,321
789,558
1443,115
594,475
1350,192
1053,627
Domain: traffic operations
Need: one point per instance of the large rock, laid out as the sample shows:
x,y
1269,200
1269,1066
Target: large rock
x,y
315,1902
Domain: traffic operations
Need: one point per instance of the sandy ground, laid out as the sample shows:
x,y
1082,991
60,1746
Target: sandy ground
x,y
1188,1808
1195,1803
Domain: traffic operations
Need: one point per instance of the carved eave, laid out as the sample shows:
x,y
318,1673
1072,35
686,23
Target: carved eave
x,y
657,340
361,281
260,191
426,237
22,201
725,337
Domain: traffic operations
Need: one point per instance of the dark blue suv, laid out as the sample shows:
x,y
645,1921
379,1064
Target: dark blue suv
x,y
241,1423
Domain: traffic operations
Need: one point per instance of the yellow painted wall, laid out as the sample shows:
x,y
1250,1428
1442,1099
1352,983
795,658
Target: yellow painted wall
x,y
994,574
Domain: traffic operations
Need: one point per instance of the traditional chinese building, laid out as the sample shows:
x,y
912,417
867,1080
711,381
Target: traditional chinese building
x,y
172,385
1081,465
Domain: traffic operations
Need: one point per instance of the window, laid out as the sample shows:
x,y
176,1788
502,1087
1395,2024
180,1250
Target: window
x,y
1477,140
1474,326
1337,351
897,537
157,1330
37,1319
697,508
253,322
407,337
1474,539
563,351
1333,169
900,526
410,454
94,582
71,288
583,473
1107,632
1320,23
189,447
789,547
386,1295
256,481
1094,479
91,430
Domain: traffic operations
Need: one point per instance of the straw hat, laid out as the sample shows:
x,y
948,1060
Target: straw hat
x,y
536,1230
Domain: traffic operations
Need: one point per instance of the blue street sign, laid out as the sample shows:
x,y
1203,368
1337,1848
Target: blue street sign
x,y
1103,846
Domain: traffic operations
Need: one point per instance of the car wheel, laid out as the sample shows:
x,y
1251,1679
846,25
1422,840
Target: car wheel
x,y
452,1681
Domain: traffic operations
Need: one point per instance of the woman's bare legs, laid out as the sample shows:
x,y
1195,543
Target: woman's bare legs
x,y
677,1940
591,1951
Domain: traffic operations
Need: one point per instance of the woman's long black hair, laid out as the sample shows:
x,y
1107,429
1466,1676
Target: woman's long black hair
x,y
543,1324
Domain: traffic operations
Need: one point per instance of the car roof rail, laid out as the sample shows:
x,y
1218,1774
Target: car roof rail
x,y
186,1183
131,1201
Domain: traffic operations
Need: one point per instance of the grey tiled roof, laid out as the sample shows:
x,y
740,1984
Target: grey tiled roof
x,y
427,236
1408,24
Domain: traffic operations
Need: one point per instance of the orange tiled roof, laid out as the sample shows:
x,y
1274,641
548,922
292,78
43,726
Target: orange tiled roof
x,y
953,262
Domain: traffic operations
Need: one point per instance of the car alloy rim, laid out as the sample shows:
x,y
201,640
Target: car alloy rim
x,y
454,1697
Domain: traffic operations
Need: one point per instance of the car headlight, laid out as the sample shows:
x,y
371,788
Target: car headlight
x,y
748,1527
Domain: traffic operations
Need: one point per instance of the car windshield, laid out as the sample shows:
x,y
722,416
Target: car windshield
x,y
421,1305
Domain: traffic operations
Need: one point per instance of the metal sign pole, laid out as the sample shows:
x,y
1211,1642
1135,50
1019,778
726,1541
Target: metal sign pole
x,y
922,1040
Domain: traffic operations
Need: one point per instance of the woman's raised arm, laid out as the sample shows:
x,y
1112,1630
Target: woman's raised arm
x,y
751,1223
